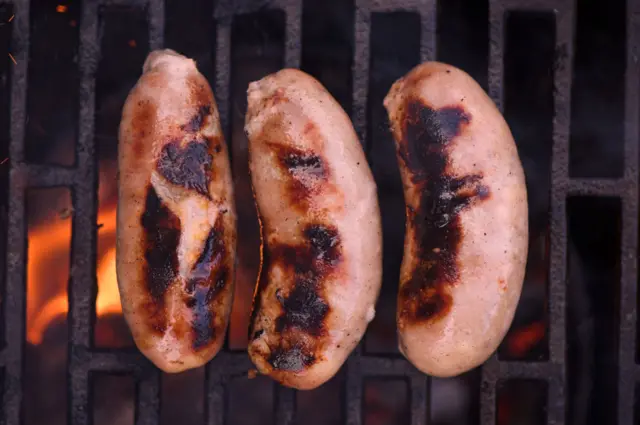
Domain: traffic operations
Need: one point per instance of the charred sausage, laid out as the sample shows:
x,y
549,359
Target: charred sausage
x,y
467,231
321,260
176,218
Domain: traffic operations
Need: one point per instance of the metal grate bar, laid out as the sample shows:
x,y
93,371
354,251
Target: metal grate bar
x,y
16,248
628,256
37,175
360,82
597,187
419,399
81,290
156,24
554,371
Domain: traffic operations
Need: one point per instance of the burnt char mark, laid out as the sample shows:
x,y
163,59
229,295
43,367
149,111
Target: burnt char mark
x,y
301,161
201,324
187,166
427,132
211,257
311,262
306,170
208,278
324,242
161,237
292,359
436,222
197,121
200,304
304,308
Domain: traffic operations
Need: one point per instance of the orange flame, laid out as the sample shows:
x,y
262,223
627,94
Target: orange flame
x,y
48,263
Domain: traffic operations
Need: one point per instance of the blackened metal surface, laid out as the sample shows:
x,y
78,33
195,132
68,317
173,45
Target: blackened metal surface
x,y
82,178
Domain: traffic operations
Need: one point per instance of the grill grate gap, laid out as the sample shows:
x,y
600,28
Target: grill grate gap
x,y
190,29
522,401
113,397
6,11
386,401
462,36
529,62
52,97
597,104
258,50
48,255
124,46
593,289
388,63
327,46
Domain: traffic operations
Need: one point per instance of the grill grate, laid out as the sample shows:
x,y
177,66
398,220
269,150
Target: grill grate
x,y
85,360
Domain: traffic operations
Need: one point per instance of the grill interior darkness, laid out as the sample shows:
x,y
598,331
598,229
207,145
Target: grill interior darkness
x,y
564,73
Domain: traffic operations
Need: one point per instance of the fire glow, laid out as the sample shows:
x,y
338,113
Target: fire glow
x,y
48,263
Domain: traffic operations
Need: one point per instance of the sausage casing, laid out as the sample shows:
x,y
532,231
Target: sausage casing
x,y
466,236
176,218
321,259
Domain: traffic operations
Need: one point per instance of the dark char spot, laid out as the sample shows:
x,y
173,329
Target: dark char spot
x,y
187,166
300,160
197,121
207,279
324,242
311,262
305,171
293,359
161,237
436,222
303,308
210,258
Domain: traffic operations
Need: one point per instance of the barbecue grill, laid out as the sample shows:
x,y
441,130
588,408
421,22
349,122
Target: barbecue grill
x,y
564,73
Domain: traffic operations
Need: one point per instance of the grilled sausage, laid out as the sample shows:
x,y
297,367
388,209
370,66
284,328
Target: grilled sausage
x,y
321,261
176,218
467,229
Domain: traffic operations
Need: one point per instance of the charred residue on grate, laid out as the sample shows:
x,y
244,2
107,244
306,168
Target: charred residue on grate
x,y
597,93
124,46
521,402
528,109
6,14
388,62
53,80
593,290
257,50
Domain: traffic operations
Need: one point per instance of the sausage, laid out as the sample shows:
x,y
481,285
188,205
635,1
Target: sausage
x,y
466,237
321,255
176,219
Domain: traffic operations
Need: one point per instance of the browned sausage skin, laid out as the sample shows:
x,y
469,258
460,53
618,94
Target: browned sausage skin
x,y
467,230
321,238
176,217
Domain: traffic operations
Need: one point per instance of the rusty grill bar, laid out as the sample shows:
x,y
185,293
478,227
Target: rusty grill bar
x,y
85,360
